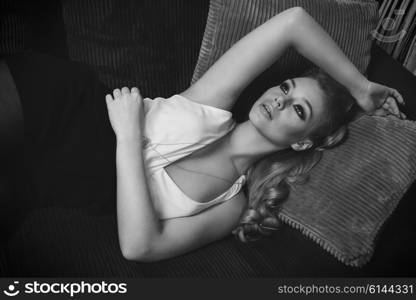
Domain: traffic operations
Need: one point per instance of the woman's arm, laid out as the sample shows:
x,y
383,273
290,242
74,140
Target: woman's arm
x,y
142,235
182,235
312,41
221,85
223,82
138,224
137,221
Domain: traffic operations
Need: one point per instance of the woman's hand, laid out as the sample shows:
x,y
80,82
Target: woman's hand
x,y
380,100
126,114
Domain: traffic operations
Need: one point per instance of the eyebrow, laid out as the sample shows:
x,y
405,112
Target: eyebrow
x,y
292,82
308,104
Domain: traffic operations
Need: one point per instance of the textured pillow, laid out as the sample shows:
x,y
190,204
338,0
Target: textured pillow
x,y
355,188
357,185
348,22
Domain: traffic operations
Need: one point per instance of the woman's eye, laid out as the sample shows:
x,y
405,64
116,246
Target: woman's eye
x,y
284,87
300,111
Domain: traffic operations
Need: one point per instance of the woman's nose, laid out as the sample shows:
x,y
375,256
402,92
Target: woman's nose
x,y
279,102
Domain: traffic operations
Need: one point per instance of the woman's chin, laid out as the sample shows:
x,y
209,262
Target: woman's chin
x,y
257,117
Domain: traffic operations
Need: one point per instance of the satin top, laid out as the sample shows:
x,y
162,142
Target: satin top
x,y
174,128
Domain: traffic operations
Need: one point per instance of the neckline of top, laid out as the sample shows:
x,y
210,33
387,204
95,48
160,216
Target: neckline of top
x,y
240,181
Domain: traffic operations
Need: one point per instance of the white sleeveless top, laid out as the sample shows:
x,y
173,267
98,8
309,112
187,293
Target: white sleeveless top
x,y
174,128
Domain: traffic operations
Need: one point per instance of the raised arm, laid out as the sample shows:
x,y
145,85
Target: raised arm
x,y
221,85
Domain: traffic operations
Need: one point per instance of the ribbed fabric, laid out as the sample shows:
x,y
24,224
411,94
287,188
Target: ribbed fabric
x,y
147,44
349,23
12,28
68,242
355,188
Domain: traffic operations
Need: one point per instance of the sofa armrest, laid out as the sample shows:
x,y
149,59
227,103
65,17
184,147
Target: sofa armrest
x,y
385,70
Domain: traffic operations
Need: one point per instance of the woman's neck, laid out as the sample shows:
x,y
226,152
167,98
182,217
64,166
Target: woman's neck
x,y
246,145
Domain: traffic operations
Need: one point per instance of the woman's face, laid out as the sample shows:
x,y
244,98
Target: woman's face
x,y
287,113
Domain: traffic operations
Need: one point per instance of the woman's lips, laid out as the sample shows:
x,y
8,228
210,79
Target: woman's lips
x,y
265,111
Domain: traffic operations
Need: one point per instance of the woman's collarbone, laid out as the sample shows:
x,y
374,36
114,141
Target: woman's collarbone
x,y
202,178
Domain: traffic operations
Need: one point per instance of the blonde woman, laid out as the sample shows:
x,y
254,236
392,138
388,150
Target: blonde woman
x,y
186,174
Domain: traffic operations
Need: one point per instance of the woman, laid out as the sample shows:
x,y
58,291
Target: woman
x,y
291,115
170,190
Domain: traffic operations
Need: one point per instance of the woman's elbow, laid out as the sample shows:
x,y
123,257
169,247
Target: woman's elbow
x,y
137,254
297,14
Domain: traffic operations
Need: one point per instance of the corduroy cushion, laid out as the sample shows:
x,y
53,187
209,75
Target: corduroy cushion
x,y
356,186
348,22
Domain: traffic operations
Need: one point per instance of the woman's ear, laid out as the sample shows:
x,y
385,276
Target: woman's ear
x,y
302,145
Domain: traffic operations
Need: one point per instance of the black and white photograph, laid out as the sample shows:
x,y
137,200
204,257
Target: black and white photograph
x,y
209,139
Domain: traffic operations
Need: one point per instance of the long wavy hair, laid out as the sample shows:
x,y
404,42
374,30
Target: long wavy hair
x,y
269,178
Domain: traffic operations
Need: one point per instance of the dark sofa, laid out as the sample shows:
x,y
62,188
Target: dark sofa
x,y
67,242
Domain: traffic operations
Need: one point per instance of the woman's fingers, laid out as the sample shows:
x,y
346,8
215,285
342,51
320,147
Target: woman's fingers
x,y
398,96
390,107
135,92
116,93
387,107
393,108
108,99
124,93
381,112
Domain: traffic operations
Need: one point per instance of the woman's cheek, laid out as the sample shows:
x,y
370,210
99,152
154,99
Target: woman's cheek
x,y
293,127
